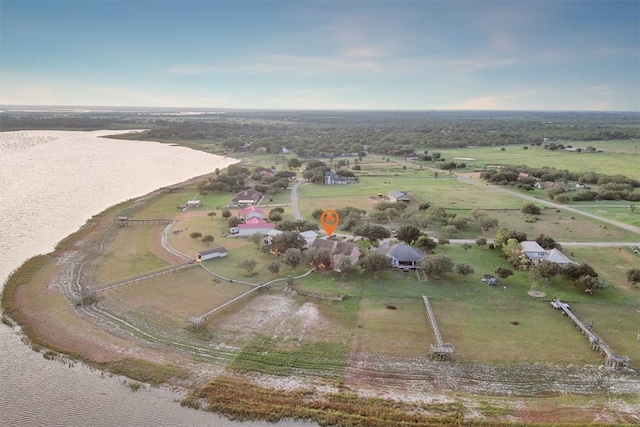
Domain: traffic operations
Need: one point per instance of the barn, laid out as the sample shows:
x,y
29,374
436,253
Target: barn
x,y
218,252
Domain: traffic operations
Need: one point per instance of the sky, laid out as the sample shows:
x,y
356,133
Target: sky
x,y
306,54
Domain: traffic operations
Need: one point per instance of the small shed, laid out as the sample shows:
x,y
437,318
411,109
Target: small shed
x,y
194,203
399,196
218,252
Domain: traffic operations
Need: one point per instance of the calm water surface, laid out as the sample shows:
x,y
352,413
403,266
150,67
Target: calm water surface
x,y
51,182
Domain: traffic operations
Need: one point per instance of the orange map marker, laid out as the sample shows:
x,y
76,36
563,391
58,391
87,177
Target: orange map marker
x,y
329,220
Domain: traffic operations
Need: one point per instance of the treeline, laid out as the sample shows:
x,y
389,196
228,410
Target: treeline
x,y
326,133
605,187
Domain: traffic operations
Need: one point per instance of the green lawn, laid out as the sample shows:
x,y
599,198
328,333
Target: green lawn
x,y
616,156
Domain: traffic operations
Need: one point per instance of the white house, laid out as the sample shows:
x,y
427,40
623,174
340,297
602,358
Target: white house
x,y
533,250
332,178
218,252
254,225
536,253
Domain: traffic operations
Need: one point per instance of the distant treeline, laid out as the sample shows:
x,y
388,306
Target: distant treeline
x,y
327,133
605,187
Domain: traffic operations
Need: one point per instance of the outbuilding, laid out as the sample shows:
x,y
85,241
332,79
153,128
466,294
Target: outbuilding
x,y
218,252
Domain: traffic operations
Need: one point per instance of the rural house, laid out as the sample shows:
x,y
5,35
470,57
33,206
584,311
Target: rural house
x,y
402,255
251,212
246,197
332,178
536,253
338,249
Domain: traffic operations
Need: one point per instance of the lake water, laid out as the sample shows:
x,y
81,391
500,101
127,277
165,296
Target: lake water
x,y
51,182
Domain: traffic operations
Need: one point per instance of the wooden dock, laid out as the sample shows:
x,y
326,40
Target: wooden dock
x,y
440,350
597,344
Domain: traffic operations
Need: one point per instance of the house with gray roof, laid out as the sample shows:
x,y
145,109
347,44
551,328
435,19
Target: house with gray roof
x,y
402,256
536,253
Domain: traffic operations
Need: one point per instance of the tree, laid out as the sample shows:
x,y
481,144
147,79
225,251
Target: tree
x,y
195,235
487,223
464,270
372,232
249,264
424,206
512,251
211,214
274,267
530,209
208,239
317,212
287,240
275,216
466,246
294,163
292,257
443,239
375,262
408,233
503,272
233,221
319,257
299,225
256,238
425,243
226,213
547,242
633,276
575,271
481,241
437,265
343,264
548,269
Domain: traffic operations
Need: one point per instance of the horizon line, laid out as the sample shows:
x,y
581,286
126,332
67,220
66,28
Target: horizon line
x,y
11,107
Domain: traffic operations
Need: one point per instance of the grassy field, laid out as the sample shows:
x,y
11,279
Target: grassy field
x,y
616,156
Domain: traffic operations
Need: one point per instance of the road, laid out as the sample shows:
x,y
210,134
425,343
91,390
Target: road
x,y
294,201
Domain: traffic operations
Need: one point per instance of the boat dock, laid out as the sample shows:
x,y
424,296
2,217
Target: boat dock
x,y
611,359
440,350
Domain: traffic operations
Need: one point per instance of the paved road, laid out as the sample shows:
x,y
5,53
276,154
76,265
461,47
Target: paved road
x,y
564,244
465,178
294,200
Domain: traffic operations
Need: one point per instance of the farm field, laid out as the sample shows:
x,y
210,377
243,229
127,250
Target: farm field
x,y
616,156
